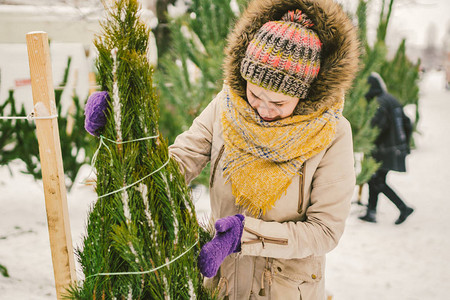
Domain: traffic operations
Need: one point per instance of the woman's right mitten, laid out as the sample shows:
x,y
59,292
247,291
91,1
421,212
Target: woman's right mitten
x,y
227,241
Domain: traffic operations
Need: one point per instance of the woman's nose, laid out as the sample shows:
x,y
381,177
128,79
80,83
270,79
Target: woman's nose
x,y
262,109
265,111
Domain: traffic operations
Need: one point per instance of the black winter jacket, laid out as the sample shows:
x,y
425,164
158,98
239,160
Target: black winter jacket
x,y
392,143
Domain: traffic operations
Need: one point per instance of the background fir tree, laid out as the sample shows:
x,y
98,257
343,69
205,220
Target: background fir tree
x,y
190,74
402,78
7,130
162,32
147,218
400,75
18,138
357,109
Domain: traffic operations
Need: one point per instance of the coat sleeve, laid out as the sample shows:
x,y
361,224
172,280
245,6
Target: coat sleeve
x,y
332,188
192,148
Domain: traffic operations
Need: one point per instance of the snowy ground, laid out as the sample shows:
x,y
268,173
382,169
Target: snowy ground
x,y
372,261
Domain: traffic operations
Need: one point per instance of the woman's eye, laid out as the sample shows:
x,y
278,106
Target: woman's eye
x,y
278,104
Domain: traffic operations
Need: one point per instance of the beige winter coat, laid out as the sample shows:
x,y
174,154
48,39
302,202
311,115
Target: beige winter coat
x,y
294,236
283,250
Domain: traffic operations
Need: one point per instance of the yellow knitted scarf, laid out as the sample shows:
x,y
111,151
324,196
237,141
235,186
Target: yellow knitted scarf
x,y
261,158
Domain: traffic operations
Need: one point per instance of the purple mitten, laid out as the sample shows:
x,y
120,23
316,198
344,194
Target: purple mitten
x,y
94,111
226,241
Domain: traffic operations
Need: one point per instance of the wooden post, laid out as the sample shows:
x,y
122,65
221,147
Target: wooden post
x,y
51,161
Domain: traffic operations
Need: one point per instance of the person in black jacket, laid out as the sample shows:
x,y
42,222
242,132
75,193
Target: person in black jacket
x,y
391,147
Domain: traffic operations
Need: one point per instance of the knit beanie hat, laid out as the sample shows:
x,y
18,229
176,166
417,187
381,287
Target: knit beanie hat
x,y
284,56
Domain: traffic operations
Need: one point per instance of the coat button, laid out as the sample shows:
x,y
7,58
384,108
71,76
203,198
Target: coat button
x,y
279,269
313,276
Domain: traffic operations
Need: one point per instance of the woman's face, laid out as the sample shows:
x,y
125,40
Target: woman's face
x,y
271,106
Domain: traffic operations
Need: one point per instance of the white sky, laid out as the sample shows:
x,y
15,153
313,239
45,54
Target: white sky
x,y
410,19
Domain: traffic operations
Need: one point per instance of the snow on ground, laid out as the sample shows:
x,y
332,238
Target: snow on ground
x,y
372,261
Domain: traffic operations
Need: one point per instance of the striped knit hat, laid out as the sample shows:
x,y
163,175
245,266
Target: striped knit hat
x,y
284,56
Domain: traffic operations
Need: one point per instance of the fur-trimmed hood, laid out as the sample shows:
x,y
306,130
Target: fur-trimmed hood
x,y
340,50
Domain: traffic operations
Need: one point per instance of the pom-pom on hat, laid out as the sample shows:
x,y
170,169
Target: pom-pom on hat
x,y
284,56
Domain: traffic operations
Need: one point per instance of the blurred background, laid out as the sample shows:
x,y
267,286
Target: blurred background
x,y
406,41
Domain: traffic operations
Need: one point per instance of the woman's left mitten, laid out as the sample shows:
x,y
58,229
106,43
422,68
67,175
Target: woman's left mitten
x,y
95,110
227,241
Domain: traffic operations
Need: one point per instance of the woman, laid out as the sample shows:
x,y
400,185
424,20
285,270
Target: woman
x,y
281,155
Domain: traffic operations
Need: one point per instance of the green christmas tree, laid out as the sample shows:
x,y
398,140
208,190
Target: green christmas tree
x,y
142,237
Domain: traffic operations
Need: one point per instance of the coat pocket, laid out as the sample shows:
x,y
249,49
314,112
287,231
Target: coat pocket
x,y
296,278
284,288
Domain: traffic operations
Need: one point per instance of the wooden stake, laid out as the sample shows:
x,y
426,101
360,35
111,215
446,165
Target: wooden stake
x,y
51,161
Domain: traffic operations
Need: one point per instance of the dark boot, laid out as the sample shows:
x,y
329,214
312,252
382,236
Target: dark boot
x,y
370,216
403,215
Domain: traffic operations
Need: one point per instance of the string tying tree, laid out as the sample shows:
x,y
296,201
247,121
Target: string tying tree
x,y
142,237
